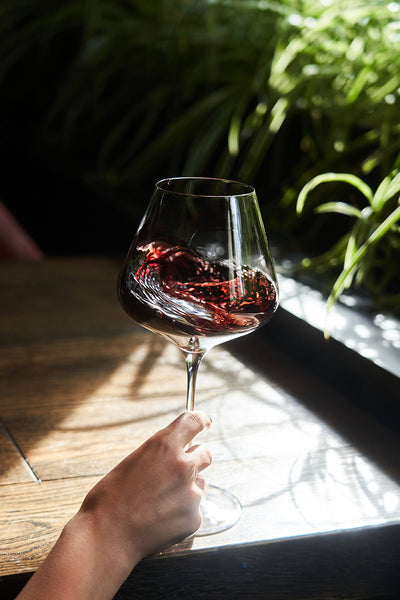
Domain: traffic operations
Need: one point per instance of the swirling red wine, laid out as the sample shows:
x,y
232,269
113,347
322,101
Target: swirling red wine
x,y
173,290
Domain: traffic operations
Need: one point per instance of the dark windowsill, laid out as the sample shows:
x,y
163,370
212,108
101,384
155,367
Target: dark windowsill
x,y
361,357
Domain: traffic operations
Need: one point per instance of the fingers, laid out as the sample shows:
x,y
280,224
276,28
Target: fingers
x,y
201,483
187,426
201,456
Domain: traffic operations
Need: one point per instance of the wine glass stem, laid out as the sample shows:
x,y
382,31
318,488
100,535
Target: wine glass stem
x,y
193,360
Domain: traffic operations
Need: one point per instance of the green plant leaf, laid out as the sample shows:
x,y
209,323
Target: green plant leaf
x,y
182,125
389,187
329,178
339,207
263,139
377,235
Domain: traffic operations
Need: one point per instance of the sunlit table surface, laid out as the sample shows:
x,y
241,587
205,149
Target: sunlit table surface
x,y
82,385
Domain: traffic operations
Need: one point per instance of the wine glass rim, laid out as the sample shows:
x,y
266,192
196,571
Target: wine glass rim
x,y
162,184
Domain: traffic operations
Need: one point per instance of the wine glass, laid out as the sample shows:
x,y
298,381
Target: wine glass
x,y
199,272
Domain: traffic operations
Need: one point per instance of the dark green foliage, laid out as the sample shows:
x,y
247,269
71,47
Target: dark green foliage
x,y
122,92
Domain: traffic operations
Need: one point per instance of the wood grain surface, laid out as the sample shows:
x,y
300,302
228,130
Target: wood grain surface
x,y
81,386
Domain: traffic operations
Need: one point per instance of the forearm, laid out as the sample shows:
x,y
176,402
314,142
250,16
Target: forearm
x,y
84,564
149,501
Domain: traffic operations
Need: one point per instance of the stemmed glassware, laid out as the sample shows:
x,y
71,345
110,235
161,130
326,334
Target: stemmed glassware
x,y
199,272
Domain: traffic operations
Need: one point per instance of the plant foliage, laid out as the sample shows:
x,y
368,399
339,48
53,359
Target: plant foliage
x,y
185,81
121,92
367,252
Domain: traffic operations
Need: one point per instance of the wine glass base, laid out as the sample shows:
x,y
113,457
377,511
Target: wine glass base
x,y
220,510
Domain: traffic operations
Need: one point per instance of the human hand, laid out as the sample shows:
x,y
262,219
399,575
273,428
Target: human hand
x,y
151,499
147,502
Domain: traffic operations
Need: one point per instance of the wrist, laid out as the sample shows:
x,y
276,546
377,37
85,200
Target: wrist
x,y
87,563
109,559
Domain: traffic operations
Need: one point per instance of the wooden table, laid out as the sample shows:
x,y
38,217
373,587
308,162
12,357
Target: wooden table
x,y
81,386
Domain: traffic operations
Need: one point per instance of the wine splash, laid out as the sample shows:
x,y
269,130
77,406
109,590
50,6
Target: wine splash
x,y
173,290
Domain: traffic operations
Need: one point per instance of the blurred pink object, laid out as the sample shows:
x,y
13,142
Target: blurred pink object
x,y
15,243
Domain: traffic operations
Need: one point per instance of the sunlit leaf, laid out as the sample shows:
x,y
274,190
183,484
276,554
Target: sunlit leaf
x,y
389,187
333,177
341,208
340,283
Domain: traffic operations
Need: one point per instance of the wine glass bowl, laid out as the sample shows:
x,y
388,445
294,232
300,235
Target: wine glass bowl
x,y
200,264
199,272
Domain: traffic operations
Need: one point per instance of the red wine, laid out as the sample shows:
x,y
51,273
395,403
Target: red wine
x,y
173,290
